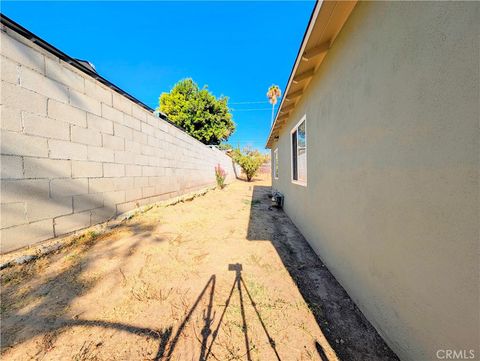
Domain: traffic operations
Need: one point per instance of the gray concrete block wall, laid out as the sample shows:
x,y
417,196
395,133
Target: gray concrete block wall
x,y
75,153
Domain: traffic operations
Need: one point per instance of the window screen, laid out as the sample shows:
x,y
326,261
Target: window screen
x,y
275,163
299,152
294,155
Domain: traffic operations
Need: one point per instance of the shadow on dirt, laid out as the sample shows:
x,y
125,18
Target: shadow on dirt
x,y
47,317
52,297
166,351
346,329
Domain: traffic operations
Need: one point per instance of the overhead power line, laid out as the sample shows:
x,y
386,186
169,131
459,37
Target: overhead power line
x,y
251,102
249,109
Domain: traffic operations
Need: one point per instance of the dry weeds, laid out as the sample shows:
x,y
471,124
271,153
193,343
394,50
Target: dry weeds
x,y
159,287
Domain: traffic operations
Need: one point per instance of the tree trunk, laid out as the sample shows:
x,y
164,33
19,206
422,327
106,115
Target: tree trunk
x,y
271,123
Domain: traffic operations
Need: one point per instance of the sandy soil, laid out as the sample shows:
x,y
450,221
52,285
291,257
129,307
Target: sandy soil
x,y
222,277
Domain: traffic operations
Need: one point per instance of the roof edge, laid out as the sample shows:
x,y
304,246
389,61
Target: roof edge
x,y
337,10
306,36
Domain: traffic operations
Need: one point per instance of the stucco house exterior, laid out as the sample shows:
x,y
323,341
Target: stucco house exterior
x,y
375,148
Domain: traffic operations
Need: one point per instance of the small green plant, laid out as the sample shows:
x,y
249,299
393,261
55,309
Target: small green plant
x,y
249,160
225,146
92,234
220,174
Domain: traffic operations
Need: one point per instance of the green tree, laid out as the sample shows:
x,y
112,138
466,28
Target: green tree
x,y
198,111
249,160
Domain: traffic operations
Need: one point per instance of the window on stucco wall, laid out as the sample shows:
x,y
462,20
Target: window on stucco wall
x,y
299,152
275,163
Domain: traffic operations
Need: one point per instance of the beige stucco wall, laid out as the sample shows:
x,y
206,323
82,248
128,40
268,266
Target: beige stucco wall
x,y
392,202
76,153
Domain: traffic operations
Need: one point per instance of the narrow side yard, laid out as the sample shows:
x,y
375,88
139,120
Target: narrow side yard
x,y
221,277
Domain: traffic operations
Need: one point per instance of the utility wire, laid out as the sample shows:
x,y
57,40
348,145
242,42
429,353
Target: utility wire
x,y
249,109
257,102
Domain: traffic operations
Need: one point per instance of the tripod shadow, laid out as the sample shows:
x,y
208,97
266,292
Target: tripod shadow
x,y
167,345
238,283
320,351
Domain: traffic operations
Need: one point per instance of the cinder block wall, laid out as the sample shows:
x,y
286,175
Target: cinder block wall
x,y
76,153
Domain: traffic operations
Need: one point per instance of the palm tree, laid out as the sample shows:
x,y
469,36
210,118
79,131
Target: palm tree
x,y
273,94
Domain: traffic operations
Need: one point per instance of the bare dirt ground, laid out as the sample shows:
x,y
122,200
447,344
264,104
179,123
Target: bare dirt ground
x,y
222,277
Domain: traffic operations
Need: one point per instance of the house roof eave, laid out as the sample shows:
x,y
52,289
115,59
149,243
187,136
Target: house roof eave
x,y
326,22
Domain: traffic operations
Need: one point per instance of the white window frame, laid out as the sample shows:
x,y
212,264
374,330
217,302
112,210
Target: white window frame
x,y
275,163
295,128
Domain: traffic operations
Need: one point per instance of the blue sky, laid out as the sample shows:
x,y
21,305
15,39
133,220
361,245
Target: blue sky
x,y
237,48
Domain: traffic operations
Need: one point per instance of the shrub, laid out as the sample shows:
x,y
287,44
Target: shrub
x,y
249,160
220,174
198,111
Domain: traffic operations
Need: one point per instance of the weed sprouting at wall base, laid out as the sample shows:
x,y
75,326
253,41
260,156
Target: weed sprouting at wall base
x,y
220,175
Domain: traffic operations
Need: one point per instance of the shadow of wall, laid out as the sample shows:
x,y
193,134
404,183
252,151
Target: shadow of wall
x,y
335,312
52,296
